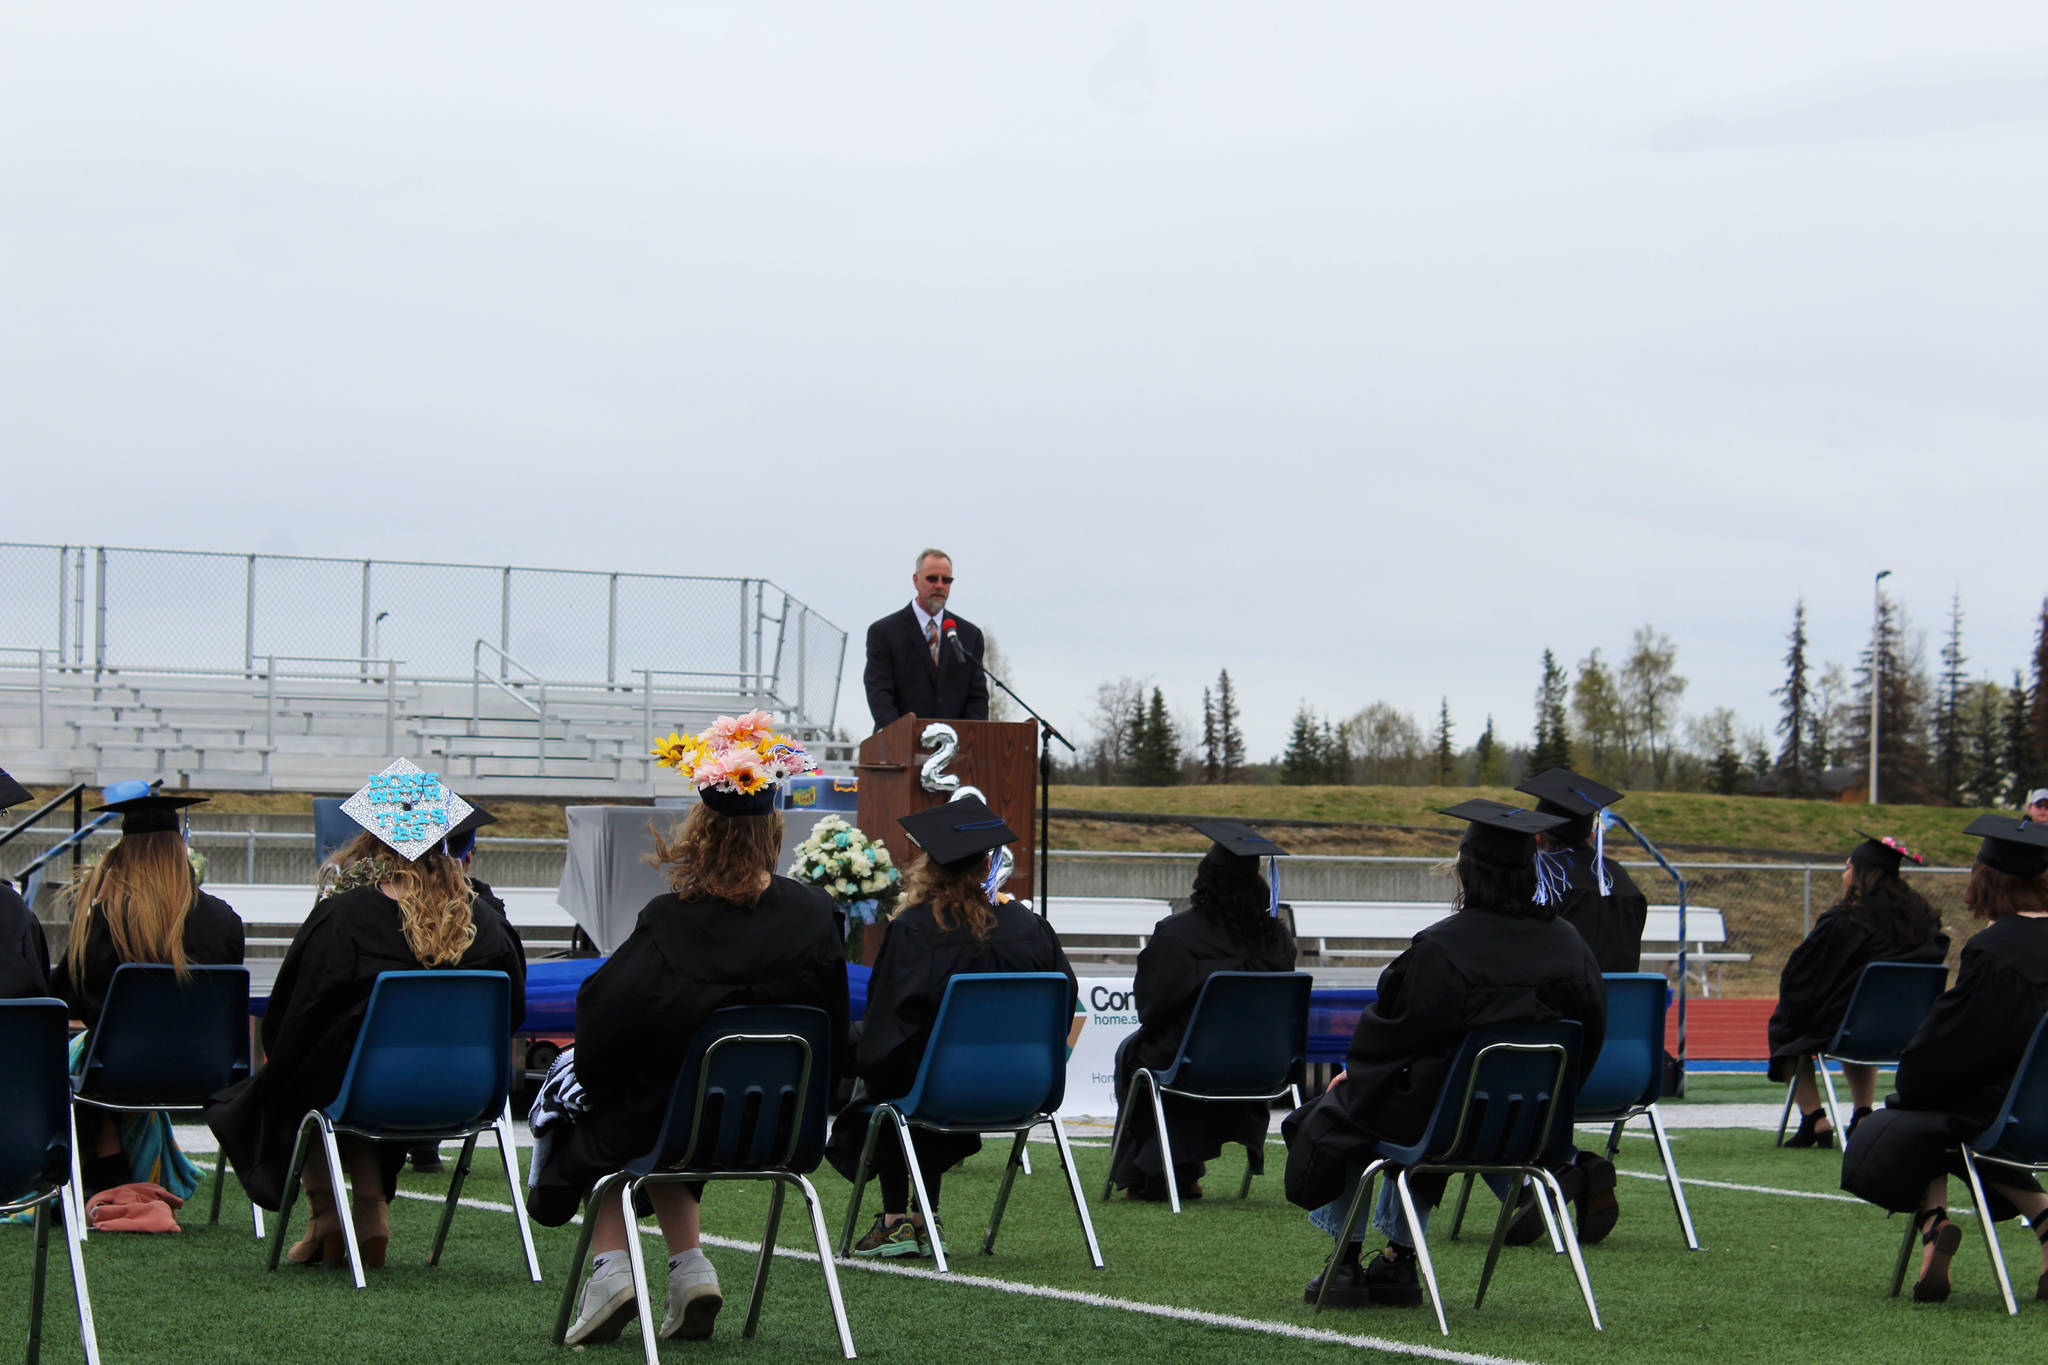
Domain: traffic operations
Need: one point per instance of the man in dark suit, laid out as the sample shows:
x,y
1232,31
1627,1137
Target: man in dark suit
x,y
912,669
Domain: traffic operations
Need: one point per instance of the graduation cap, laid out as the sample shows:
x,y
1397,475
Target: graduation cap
x,y
1885,853
1574,799
2016,847
1501,835
12,793
462,838
1239,847
408,809
956,831
143,811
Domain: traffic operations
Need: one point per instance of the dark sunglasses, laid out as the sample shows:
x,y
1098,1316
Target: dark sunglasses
x,y
938,578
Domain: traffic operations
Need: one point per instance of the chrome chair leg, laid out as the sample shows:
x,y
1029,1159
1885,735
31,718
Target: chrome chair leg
x,y
1165,1147
1059,1135
290,1193
1785,1119
1571,1246
598,1194
1905,1254
817,1213
1010,1166
1361,1193
75,1191
1464,1197
1834,1106
40,1270
88,1335
1117,1135
1500,1231
340,1188
1671,1178
761,1265
636,1256
455,1183
508,1148
923,1201
1422,1257
860,1178
1990,1231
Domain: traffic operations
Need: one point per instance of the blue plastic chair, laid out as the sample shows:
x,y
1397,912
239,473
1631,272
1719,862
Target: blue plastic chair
x,y
1246,1039
35,1157
1627,1078
1500,1109
749,1104
2017,1140
1885,1010
167,1044
432,1063
996,1063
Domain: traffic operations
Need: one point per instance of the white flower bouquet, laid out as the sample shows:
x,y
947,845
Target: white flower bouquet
x,y
854,870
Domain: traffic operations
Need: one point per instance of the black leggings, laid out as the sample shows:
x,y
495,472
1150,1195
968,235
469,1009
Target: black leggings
x,y
893,1174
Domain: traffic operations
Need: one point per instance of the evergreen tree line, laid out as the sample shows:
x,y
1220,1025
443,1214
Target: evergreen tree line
x,y
1943,737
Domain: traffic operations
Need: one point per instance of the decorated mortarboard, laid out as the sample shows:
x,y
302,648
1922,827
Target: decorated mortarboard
x,y
410,810
1241,839
737,763
463,835
143,811
1501,835
2016,847
1883,852
956,831
12,793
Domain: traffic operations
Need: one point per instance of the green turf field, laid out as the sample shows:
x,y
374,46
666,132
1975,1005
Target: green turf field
x,y
1791,1270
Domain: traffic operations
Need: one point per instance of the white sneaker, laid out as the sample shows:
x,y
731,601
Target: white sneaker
x,y
693,1298
607,1305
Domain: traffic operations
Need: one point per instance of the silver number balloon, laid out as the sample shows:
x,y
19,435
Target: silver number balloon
x,y
946,740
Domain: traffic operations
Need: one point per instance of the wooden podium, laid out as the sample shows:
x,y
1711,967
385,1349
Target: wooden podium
x,y
999,757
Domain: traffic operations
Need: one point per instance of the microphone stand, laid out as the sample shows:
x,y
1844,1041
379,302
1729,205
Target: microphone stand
x,y
1046,735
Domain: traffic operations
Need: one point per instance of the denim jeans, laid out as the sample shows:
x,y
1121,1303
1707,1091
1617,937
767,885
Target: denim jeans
x,y
1387,1217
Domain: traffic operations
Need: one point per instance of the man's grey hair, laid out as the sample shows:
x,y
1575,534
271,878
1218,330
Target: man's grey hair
x,y
929,553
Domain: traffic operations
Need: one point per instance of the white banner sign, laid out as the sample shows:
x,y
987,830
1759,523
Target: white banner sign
x,y
1108,1015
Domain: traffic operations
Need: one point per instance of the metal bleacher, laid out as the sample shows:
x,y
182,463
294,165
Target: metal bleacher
x,y
159,682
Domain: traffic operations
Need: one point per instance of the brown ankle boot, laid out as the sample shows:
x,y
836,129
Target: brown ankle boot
x,y
322,1244
367,1206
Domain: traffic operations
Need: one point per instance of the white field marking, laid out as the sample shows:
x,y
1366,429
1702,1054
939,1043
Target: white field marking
x,y
1824,1196
1046,1291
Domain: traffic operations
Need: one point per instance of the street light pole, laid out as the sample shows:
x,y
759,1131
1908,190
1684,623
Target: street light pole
x,y
1876,668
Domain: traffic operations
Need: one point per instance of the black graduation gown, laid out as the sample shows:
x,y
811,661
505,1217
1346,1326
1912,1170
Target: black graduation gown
x,y
1821,975
1953,1076
1612,925
316,1009
213,936
637,1015
24,952
1182,953
916,961
1470,970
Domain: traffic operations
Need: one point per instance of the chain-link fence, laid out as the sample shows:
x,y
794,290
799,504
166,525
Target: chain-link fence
x,y
121,608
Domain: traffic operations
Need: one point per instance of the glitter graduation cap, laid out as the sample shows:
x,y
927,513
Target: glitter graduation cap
x,y
408,809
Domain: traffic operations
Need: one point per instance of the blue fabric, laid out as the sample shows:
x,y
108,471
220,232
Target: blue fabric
x,y
551,993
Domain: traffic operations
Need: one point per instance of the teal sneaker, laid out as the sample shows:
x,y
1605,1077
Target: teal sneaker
x,y
889,1239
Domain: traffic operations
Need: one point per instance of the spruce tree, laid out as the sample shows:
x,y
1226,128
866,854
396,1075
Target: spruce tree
x,y
1157,756
1212,752
2019,743
1136,741
1302,764
1948,711
2035,757
1904,773
1553,742
1445,754
1795,719
1487,760
1984,774
1229,737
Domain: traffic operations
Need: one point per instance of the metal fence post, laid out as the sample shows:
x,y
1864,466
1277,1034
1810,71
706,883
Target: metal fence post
x,y
42,688
646,711
249,857
743,629
611,633
99,622
63,603
838,677
363,650
1806,901
249,618
541,716
803,620
269,700
390,706
505,622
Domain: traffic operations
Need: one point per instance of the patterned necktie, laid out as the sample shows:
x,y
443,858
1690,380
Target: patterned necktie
x,y
931,640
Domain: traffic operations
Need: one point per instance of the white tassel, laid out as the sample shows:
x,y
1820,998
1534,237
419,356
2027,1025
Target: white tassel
x,y
1553,876
1273,902
1600,853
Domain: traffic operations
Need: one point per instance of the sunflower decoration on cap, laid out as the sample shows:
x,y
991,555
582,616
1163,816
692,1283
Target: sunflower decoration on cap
x,y
737,763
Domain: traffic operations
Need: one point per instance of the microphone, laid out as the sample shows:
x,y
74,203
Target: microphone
x,y
952,632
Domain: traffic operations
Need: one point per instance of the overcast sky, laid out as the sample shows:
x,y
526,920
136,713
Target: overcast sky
x,y
1363,349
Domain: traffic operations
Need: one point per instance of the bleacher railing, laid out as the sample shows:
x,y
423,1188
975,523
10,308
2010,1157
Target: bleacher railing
x,y
118,609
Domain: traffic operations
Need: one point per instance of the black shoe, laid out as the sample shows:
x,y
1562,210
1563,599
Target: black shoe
x,y
426,1158
1945,1237
1597,1207
1809,1134
1862,1112
1391,1281
1347,1288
